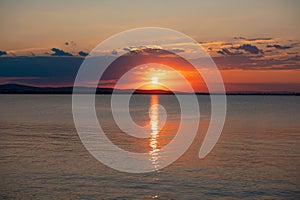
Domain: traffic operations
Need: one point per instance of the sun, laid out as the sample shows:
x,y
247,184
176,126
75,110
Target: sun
x,y
154,80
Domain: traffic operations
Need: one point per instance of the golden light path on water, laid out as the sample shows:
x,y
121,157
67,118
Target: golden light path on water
x,y
153,140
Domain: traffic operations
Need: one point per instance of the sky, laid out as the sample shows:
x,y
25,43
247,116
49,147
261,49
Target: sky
x,y
255,44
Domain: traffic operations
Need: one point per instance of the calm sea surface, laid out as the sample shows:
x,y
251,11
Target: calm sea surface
x,y
257,156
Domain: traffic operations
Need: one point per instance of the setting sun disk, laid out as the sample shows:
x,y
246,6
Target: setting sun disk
x,y
154,80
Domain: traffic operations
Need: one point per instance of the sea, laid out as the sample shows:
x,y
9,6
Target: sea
x,y
256,157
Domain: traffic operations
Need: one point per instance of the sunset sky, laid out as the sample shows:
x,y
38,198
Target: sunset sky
x,y
255,44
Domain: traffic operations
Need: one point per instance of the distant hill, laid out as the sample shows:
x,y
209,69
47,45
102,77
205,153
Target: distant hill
x,y
25,89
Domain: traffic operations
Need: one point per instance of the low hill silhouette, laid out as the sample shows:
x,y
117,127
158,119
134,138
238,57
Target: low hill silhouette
x,y
26,89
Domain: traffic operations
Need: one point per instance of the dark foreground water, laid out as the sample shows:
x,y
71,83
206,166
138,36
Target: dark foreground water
x,y
257,156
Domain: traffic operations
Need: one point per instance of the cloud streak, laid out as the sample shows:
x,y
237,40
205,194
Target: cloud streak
x,y
253,39
277,46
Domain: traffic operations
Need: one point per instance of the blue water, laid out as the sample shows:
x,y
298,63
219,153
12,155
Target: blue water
x,y
257,156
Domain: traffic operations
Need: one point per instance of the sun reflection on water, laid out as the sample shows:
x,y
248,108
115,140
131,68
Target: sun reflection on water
x,y
154,135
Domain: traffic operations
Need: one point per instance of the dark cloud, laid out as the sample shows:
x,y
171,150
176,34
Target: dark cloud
x,y
82,53
253,39
40,70
3,53
225,51
58,52
248,48
277,46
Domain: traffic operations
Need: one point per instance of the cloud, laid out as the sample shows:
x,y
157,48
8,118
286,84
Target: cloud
x,y
277,46
58,52
62,70
252,39
225,51
146,51
257,63
142,48
40,70
177,50
82,53
3,53
248,48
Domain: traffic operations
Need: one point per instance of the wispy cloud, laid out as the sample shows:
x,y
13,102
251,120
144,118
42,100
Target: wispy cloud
x,y
253,39
277,46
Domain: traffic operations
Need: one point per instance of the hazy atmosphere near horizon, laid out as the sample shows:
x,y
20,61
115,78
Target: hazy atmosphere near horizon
x,y
58,140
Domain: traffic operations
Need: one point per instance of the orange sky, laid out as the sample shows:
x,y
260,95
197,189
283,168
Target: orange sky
x,y
150,65
232,78
255,44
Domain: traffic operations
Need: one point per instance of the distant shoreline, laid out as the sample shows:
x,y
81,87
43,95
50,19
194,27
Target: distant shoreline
x,y
25,89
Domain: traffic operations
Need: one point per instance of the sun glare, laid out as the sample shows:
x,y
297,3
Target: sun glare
x,y
154,80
